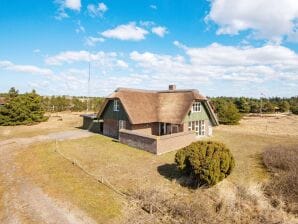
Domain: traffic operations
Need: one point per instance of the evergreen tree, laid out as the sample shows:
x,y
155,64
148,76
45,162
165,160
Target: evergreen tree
x,y
284,106
22,109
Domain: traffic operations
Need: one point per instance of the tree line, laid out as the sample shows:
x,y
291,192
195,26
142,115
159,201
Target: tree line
x,y
230,109
64,103
30,107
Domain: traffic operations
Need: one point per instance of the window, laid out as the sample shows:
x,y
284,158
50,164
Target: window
x,y
122,124
116,105
196,107
189,126
202,127
197,126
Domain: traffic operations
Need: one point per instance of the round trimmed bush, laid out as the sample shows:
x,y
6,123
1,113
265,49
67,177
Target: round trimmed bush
x,y
206,162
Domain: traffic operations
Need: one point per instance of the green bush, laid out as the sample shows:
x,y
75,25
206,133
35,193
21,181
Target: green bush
x,y
22,109
206,162
294,109
227,112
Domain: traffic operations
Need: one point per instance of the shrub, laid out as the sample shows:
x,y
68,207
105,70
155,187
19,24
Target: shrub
x,y
227,112
206,162
284,185
22,109
294,109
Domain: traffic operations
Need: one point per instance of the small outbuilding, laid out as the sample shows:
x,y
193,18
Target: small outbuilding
x,y
92,123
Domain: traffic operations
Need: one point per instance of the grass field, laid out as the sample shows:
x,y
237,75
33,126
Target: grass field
x,y
60,179
1,197
57,122
239,197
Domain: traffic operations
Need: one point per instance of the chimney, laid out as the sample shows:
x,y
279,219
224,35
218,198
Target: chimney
x,y
172,87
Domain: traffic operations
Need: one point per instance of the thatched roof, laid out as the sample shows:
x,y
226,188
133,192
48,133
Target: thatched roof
x,y
143,106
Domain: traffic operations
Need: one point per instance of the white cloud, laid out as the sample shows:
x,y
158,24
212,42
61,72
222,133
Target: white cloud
x,y
80,28
73,4
30,69
105,60
126,32
153,7
268,19
97,10
36,50
78,56
159,31
180,45
92,41
218,62
147,23
66,4
122,64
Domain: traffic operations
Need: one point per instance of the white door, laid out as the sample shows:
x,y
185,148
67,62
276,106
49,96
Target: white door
x,y
122,124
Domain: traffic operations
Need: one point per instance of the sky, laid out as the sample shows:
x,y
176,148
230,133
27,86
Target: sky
x,y
220,47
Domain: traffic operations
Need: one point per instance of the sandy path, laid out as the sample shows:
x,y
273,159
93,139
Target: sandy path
x,y
25,202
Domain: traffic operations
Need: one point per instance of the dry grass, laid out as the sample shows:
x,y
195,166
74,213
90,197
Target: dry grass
x,y
283,186
1,199
149,178
270,124
60,179
224,203
69,122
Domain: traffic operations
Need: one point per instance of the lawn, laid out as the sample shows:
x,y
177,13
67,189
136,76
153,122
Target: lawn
x,y
131,170
57,122
64,181
1,198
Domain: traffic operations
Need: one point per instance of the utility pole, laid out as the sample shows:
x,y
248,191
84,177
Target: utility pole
x,y
89,74
261,109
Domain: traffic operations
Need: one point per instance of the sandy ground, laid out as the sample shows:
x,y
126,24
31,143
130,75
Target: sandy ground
x,y
25,202
62,121
274,124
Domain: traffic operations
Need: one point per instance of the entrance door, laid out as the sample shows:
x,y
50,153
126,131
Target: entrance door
x,y
122,124
162,128
197,126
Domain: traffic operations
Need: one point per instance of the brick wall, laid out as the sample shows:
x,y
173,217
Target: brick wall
x,y
156,144
167,143
138,140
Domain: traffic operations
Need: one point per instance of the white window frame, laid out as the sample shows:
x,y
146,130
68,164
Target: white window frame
x,y
116,105
122,124
198,126
202,127
196,107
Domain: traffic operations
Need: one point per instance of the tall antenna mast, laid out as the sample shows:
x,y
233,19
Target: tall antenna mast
x,y
89,74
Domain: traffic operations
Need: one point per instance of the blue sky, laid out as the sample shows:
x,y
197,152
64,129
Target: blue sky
x,y
221,47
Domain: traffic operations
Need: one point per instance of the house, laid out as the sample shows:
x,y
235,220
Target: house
x,y
157,121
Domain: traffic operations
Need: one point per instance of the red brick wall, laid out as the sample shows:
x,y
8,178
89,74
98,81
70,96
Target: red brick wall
x,y
156,144
138,141
176,141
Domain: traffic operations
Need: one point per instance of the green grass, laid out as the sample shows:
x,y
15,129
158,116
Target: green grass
x,y
62,180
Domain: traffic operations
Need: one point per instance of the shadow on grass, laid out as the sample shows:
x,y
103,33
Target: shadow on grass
x,y
172,173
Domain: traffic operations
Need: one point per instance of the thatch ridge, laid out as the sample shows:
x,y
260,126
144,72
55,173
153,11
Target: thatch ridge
x,y
147,106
